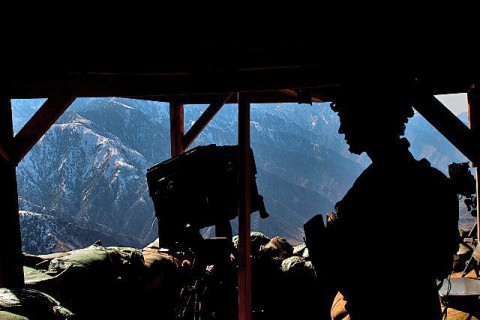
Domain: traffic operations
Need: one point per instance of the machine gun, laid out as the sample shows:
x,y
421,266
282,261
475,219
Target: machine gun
x,y
198,189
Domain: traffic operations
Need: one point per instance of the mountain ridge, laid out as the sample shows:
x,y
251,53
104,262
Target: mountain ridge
x,y
91,164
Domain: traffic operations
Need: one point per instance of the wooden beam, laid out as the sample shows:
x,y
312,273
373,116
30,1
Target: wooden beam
x,y
293,93
176,128
289,92
244,259
11,258
95,84
141,85
38,125
275,96
448,125
5,154
204,120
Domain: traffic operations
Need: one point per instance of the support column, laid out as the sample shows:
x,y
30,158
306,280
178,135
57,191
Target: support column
x,y
11,258
176,128
473,97
244,260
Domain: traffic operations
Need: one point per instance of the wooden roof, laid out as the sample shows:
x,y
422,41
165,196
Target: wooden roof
x,y
203,67
197,67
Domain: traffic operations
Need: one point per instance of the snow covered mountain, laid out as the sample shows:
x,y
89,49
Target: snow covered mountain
x,y
82,169
43,234
89,169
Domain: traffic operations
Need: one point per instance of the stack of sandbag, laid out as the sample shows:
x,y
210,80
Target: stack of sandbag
x,y
283,280
26,303
163,282
100,282
95,282
257,239
276,249
301,250
298,267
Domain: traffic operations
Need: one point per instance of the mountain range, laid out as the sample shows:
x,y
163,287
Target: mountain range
x,y
86,177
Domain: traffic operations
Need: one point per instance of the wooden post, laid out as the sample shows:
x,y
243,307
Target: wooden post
x,y
11,258
473,97
244,261
5,154
176,128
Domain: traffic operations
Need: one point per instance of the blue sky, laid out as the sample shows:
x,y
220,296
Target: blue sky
x,y
457,103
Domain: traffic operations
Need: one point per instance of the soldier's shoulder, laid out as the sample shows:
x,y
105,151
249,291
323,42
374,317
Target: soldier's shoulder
x,y
432,174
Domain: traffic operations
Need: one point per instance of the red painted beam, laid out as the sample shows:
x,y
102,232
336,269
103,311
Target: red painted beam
x,y
447,124
176,128
5,154
204,120
244,260
38,125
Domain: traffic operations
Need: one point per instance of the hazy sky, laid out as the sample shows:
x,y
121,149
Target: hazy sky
x,y
457,103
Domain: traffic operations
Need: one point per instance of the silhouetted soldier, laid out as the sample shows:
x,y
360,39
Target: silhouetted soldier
x,y
399,208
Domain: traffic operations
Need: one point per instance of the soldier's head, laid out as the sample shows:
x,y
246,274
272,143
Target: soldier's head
x,y
371,117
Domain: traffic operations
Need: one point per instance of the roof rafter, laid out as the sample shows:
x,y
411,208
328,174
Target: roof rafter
x,y
204,120
447,124
38,125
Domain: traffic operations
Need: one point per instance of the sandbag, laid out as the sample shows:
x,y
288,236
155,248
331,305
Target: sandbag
x,y
96,261
301,250
163,282
33,304
5,315
153,245
41,261
34,276
161,269
296,266
277,248
257,239
94,258
90,280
